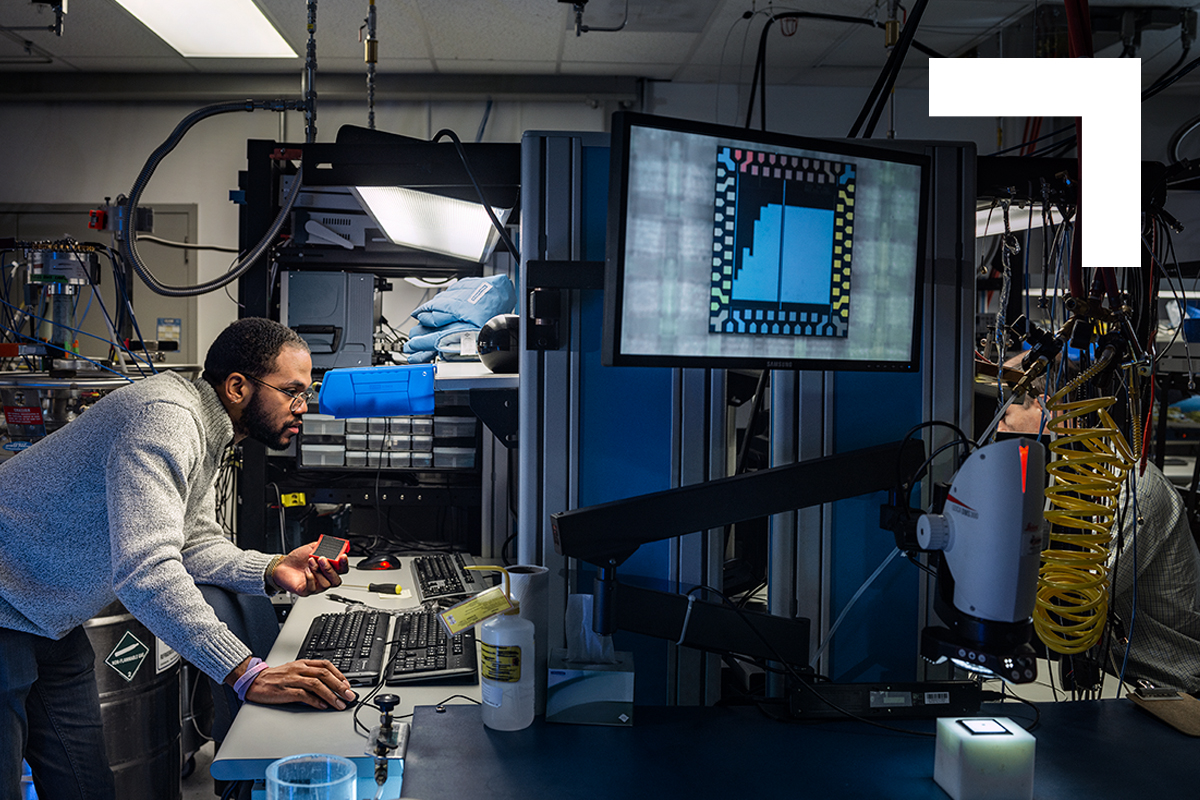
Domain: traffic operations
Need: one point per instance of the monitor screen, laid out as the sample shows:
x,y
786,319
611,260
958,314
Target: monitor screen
x,y
738,248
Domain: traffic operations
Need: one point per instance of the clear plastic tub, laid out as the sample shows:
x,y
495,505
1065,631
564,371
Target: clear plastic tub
x,y
322,455
454,457
322,425
446,427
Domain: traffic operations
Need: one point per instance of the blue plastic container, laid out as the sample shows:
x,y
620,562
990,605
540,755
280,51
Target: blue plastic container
x,y
378,391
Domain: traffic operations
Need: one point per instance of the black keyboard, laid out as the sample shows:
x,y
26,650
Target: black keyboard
x,y
441,575
353,640
422,652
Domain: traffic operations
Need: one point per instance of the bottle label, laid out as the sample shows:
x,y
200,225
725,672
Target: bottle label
x,y
500,663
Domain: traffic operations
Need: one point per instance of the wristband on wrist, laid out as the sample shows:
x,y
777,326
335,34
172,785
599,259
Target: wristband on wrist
x,y
269,575
242,685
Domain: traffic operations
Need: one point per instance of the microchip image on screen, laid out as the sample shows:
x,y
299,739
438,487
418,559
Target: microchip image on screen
x,y
783,230
729,247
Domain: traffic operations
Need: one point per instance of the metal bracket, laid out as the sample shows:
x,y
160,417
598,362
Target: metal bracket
x,y
546,280
497,408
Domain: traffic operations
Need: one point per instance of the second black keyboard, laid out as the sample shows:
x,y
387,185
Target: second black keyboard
x,y
422,652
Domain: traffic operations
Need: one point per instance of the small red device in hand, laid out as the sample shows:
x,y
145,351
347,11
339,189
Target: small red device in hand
x,y
331,547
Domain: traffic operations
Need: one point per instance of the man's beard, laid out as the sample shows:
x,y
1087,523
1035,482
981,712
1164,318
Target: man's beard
x,y
258,426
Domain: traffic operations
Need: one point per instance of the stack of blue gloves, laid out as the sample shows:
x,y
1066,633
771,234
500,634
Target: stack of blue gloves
x,y
462,308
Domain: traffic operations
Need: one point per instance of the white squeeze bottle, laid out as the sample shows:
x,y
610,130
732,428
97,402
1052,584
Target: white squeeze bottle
x,y
506,668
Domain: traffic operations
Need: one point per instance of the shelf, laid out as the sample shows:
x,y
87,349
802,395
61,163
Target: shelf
x,y
460,375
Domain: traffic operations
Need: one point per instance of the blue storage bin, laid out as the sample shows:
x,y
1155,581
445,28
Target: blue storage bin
x,y
378,391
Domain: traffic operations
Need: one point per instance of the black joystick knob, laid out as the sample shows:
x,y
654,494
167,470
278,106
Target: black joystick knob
x,y
387,702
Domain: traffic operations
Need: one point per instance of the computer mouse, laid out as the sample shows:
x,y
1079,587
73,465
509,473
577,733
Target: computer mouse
x,y
381,561
298,706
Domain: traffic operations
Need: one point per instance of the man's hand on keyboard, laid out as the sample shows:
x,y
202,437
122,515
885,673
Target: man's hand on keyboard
x,y
314,682
302,574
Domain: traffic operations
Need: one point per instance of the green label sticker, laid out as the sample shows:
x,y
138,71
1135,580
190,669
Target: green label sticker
x,y
127,657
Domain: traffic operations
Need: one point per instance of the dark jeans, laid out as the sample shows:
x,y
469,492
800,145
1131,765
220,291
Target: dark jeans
x,y
50,716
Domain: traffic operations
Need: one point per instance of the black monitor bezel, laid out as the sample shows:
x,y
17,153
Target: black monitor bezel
x,y
614,270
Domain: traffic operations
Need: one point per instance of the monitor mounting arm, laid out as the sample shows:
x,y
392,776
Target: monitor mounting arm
x,y
607,534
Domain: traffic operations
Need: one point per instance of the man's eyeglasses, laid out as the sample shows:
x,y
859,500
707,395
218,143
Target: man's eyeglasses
x,y
298,399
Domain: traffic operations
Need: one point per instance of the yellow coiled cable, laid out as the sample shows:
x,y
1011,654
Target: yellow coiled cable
x,y
1087,468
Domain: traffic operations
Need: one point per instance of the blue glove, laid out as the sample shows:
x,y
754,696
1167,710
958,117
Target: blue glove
x,y
474,300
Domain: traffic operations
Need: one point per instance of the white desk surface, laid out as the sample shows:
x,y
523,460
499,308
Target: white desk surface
x,y
261,734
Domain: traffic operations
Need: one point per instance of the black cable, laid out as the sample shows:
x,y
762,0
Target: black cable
x,y
462,155
63,350
123,292
912,559
891,69
129,236
962,439
749,594
759,77
387,668
1038,139
113,261
790,670
920,471
1167,72
504,548
1164,82
145,237
1037,712
441,704
229,790
1056,149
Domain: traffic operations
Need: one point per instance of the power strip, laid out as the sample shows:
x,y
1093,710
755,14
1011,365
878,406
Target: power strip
x,y
927,700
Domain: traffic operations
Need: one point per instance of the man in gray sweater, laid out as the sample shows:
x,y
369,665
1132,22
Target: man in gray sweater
x,y
120,505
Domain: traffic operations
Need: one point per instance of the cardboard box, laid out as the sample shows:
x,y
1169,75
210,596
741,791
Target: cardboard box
x,y
589,694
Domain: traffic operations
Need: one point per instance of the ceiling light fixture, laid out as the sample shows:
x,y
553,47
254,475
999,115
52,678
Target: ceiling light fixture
x,y
212,28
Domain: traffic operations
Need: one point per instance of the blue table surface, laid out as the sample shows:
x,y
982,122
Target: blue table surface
x,y
1086,749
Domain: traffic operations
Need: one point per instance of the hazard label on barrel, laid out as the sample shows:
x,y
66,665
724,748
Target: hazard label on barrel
x,y
127,657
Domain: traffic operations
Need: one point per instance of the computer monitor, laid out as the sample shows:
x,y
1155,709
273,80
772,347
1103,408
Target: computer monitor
x,y
738,248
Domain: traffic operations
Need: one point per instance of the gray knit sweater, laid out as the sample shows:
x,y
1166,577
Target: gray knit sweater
x,y
120,504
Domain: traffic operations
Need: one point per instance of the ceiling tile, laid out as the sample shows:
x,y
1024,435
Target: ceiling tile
x,y
495,30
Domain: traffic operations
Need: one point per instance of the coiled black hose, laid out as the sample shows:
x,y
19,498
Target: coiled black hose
x,y
128,244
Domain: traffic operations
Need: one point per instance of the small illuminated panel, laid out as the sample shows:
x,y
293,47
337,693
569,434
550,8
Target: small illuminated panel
x,y
984,758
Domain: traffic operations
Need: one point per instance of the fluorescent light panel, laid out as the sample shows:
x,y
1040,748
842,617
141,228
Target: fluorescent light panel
x,y
431,222
211,28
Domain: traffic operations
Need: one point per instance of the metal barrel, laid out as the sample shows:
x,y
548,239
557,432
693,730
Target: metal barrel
x,y
139,687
